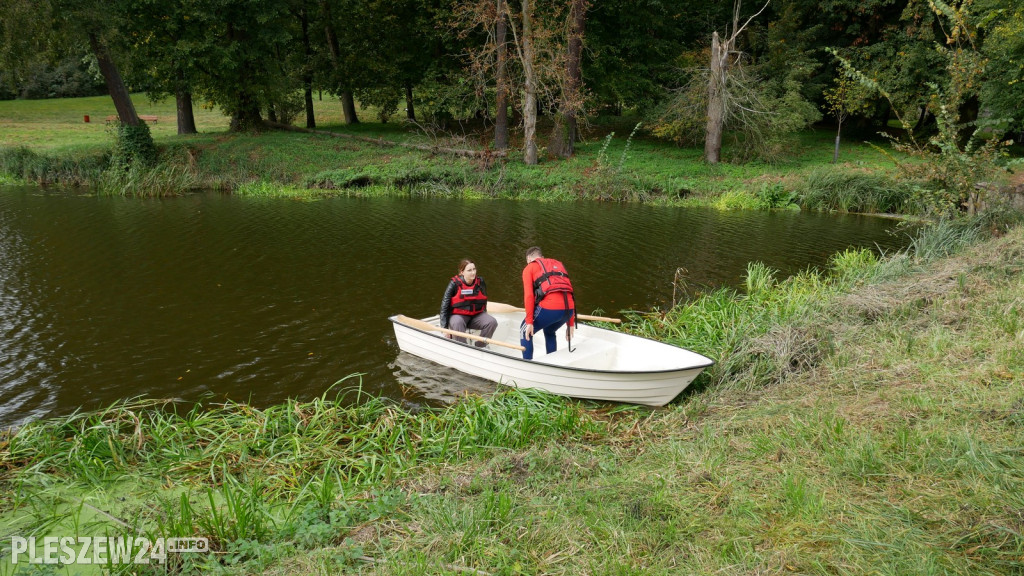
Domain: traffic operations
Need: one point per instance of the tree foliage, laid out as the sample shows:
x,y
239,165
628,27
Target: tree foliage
x,y
954,163
1002,91
263,58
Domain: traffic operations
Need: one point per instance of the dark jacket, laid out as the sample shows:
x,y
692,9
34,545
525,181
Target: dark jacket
x,y
449,293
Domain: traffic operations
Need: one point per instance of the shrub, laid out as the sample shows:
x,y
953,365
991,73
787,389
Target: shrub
x,y
774,195
133,145
737,200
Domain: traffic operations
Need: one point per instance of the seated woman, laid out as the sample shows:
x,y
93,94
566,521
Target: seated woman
x,y
464,306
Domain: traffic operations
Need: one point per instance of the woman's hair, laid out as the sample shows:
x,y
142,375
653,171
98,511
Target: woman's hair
x,y
463,263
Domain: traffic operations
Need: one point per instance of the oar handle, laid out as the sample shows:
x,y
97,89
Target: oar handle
x,y
414,323
599,319
501,308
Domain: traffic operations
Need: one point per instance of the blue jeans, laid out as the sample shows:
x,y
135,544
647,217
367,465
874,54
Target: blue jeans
x,y
547,321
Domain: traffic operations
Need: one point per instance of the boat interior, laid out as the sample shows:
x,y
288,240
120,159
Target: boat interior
x,y
593,348
590,353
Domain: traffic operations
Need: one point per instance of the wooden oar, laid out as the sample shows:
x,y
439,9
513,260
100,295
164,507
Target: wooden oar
x,y
414,323
499,308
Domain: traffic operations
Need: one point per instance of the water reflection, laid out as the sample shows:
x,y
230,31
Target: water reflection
x,y
422,378
262,300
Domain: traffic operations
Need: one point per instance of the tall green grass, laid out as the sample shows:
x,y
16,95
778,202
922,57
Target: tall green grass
x,y
832,189
259,482
64,170
138,181
365,441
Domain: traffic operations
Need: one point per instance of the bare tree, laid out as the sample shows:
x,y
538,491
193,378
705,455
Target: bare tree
x,y
501,77
723,53
526,57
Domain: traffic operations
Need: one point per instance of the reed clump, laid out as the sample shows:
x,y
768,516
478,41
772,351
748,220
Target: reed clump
x,y
833,190
367,438
138,181
64,170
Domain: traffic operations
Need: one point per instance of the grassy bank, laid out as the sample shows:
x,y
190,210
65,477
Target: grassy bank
x,y
863,421
48,142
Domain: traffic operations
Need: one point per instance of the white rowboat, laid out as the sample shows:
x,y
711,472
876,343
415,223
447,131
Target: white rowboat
x,y
605,365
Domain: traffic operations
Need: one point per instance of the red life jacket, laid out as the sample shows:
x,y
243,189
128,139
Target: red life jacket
x,y
469,299
553,278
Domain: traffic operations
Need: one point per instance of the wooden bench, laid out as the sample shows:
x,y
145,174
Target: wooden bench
x,y
149,118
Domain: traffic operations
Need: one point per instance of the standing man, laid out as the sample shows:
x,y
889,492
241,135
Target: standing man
x,y
548,300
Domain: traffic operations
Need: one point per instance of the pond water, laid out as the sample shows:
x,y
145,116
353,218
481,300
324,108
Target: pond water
x,y
259,300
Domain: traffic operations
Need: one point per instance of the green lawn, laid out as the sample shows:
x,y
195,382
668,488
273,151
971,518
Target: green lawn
x,y
608,164
58,125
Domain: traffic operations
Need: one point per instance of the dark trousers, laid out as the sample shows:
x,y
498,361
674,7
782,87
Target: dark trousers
x,y
483,322
546,321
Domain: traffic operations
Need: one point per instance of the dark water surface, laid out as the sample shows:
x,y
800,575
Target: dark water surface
x,y
261,300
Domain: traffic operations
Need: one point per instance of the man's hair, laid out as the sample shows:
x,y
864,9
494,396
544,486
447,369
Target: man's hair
x,y
534,251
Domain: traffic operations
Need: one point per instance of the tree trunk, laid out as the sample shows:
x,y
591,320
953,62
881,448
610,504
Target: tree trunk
x,y
716,101
530,100
410,112
557,141
307,73
308,96
348,105
247,117
921,118
501,96
186,117
574,74
115,85
835,155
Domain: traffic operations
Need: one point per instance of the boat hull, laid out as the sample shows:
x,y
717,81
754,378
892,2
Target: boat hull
x,y
590,372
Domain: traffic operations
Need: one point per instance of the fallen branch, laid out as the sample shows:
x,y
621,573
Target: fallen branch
x,y
466,153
